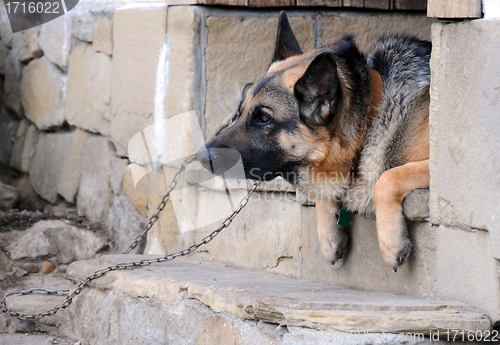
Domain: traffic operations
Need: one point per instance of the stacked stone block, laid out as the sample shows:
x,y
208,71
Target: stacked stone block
x,y
465,156
57,107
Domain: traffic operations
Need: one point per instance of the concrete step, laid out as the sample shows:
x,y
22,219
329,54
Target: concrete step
x,y
162,302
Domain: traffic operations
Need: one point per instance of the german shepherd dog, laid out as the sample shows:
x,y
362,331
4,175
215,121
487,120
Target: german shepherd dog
x,y
351,131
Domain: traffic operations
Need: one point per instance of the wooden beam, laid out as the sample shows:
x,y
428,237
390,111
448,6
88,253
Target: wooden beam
x,y
377,4
353,3
414,5
454,8
329,3
271,3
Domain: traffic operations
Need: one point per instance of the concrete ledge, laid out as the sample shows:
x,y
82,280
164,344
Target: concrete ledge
x,y
275,299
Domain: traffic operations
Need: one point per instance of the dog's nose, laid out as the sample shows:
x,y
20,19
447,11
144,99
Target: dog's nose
x,y
218,160
205,158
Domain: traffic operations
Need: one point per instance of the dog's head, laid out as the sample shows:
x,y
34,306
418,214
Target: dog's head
x,y
308,110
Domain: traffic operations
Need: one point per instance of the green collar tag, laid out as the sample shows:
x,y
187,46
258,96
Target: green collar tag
x,y
344,218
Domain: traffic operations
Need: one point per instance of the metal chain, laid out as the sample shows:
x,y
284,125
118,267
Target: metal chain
x,y
121,266
125,265
161,205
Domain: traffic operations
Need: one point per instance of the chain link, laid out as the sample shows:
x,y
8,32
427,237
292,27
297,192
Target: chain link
x,y
161,205
126,265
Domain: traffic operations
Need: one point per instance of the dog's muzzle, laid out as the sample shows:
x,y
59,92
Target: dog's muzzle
x,y
218,160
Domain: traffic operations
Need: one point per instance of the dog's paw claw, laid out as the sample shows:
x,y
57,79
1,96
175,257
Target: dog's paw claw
x,y
400,259
339,254
395,270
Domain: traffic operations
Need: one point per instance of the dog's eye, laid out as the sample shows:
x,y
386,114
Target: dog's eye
x,y
264,118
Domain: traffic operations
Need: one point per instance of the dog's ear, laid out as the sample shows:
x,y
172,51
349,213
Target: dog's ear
x,y
316,90
286,43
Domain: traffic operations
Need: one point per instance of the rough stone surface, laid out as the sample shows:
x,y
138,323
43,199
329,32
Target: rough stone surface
x,y
367,29
30,200
72,167
118,168
58,241
163,236
8,130
435,65
138,36
459,274
11,95
239,52
280,300
48,161
29,148
87,12
26,44
5,30
291,244
103,36
55,40
4,50
42,93
139,200
18,145
9,197
95,195
416,205
88,95
125,222
467,83
188,320
184,74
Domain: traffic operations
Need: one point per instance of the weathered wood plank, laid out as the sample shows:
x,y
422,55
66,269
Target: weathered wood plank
x,y
353,3
377,4
208,2
270,3
410,5
329,3
454,8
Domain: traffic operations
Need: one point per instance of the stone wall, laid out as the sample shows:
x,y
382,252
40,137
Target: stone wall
x,y
465,156
78,89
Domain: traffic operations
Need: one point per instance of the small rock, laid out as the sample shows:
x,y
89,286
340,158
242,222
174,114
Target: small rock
x,y
416,205
62,268
2,276
19,272
31,267
59,240
5,263
48,267
9,197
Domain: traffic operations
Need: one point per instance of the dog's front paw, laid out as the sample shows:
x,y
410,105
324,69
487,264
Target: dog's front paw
x,y
333,243
395,250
